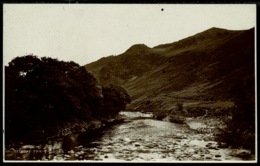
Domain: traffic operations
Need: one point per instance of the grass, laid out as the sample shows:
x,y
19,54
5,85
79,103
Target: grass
x,y
189,71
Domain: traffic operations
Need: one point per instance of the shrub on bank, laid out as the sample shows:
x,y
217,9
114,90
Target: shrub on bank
x,y
177,119
240,129
179,107
160,114
196,111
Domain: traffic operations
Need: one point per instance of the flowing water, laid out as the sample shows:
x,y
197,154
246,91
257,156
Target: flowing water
x,y
138,138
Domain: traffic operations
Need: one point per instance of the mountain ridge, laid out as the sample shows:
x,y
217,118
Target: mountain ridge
x,y
204,67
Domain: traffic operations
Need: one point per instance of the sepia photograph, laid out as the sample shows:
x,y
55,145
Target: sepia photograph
x,y
148,83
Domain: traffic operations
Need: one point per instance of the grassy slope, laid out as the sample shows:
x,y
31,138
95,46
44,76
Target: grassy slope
x,y
200,70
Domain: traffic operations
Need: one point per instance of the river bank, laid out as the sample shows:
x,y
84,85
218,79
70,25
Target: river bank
x,y
59,143
139,137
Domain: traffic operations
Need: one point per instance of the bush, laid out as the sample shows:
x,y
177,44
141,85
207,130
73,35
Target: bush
x,y
237,138
179,106
240,130
115,99
177,119
159,114
196,111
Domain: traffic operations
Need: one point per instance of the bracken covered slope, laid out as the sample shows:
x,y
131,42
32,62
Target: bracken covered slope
x,y
214,66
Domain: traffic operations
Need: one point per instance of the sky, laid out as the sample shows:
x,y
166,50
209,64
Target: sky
x,y
84,33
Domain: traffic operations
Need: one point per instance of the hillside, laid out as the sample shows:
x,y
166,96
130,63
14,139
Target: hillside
x,y
209,69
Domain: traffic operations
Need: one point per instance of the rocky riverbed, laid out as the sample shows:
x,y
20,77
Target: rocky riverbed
x,y
141,138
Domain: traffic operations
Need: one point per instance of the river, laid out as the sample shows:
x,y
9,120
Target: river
x,y
138,138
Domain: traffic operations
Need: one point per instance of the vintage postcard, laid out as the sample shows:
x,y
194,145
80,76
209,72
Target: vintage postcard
x,y
166,83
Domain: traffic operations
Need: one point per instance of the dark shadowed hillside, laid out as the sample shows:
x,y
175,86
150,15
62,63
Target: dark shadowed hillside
x,y
210,68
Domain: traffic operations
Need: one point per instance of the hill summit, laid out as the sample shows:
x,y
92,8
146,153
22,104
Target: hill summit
x,y
138,48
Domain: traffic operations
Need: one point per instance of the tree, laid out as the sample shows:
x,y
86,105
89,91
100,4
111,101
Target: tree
x,y
115,99
43,93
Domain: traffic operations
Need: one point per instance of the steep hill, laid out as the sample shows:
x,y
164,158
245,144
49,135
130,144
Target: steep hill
x,y
210,68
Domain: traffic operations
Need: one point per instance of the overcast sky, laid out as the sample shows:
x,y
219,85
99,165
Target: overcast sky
x,y
86,32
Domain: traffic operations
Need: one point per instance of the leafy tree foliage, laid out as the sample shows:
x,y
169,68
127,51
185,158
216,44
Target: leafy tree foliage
x,y
43,93
115,99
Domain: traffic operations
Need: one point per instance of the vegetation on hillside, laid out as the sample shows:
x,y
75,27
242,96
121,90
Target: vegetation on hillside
x,y
240,129
212,73
43,94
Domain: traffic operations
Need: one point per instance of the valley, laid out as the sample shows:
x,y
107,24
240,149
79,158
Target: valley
x,y
209,75
209,66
